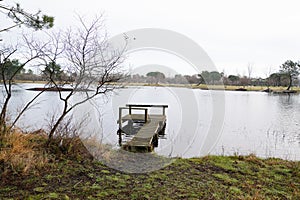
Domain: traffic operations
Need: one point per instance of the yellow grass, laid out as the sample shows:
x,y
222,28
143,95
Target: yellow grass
x,y
213,87
234,87
22,152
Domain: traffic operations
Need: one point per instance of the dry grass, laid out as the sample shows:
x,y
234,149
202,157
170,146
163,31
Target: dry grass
x,y
22,152
98,150
234,87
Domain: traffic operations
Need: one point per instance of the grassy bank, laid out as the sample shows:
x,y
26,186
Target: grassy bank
x,y
53,174
216,87
247,88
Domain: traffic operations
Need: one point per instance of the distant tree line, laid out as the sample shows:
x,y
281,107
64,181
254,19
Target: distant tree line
x,y
287,76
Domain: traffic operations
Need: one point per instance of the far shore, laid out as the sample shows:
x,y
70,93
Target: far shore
x,y
219,87
276,89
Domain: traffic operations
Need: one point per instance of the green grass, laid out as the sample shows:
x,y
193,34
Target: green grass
x,y
211,177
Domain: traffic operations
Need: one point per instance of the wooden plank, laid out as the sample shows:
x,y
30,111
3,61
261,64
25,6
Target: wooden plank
x,y
146,105
141,117
143,139
134,117
136,106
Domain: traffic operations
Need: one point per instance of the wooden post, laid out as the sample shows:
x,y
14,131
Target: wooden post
x,y
146,115
120,137
129,109
120,127
120,119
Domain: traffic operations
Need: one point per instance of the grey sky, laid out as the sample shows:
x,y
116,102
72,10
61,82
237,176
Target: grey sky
x,y
232,32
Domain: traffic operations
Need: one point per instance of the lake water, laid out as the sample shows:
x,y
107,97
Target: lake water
x,y
198,121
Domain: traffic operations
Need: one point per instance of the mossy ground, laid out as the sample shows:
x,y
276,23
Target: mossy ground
x,y
211,177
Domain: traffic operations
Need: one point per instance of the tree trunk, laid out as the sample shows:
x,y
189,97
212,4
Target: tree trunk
x,y
3,111
290,84
52,131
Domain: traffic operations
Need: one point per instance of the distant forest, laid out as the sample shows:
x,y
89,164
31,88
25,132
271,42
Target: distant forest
x,y
286,76
214,78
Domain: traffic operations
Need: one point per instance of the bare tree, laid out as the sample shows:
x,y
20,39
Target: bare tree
x,y
31,51
249,69
86,53
8,71
268,73
9,67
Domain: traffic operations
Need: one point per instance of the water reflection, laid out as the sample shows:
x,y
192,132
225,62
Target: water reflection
x,y
264,124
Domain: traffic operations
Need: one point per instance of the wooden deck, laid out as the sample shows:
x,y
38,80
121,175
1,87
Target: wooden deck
x,y
146,137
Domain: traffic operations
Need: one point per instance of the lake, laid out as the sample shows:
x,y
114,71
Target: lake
x,y
199,122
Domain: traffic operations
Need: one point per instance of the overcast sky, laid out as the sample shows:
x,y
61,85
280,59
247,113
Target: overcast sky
x,y
233,33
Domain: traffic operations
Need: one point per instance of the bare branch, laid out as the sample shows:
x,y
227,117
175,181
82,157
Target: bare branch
x,y
96,64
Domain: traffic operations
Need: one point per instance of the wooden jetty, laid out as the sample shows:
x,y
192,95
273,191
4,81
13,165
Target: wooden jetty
x,y
145,134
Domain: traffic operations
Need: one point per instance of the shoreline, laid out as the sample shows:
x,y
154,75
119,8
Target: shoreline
x,y
276,89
